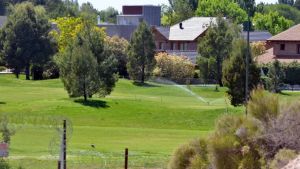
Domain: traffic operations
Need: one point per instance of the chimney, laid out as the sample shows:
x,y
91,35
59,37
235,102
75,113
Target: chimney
x,y
180,25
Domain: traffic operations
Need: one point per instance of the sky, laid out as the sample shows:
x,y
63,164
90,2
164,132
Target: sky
x,y
103,4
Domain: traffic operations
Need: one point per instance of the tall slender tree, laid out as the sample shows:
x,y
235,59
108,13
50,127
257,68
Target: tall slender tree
x,y
141,52
217,43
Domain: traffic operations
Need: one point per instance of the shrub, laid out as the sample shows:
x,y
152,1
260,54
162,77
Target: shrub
x,y
4,164
190,156
258,48
263,106
2,68
282,132
175,68
282,158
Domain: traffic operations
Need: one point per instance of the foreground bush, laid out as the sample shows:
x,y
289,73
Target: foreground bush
x,y
282,158
267,137
192,156
176,68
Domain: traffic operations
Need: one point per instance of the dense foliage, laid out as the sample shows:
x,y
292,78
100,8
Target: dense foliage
x,y
117,47
267,138
272,22
176,68
228,9
24,38
84,68
234,73
217,43
141,52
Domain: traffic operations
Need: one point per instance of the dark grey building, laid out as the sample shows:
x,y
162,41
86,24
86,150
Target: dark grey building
x,y
133,15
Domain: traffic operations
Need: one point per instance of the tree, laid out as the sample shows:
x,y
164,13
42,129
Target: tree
x,y
117,47
234,73
84,68
297,4
141,52
288,2
25,39
208,69
178,11
272,22
228,9
287,11
217,43
68,28
109,15
276,76
87,11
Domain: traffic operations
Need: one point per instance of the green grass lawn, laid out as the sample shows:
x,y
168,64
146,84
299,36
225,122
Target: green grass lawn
x,y
151,121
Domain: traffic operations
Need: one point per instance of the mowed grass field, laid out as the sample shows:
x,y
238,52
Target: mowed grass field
x,y
152,121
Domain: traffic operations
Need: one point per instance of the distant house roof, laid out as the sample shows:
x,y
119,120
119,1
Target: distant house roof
x,y
165,31
269,57
2,21
256,36
124,31
292,34
191,28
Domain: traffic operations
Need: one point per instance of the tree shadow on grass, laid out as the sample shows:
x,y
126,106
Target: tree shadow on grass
x,y
92,103
139,84
2,102
284,94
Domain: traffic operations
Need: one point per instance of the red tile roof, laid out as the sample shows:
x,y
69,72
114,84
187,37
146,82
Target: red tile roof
x,y
269,57
292,34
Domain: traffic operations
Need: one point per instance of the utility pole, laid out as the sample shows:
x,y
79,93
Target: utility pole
x,y
62,163
247,59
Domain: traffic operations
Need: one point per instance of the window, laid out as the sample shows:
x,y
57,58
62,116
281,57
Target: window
x,y
298,48
282,46
174,46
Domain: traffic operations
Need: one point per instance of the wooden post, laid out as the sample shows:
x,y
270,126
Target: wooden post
x,y
126,158
65,144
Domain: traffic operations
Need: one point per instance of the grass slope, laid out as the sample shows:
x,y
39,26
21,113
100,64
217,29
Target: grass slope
x,y
152,119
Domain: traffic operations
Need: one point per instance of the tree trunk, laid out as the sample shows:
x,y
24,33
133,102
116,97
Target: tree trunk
x,y
219,72
143,73
27,72
84,92
17,72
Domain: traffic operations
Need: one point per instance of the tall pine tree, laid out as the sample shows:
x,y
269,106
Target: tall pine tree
x,y
141,52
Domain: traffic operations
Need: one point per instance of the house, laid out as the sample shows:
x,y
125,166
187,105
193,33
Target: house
x,y
182,38
130,19
133,15
284,47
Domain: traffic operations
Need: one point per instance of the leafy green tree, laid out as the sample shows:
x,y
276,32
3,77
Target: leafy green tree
x,y
276,76
84,68
227,8
217,43
287,11
207,68
272,22
178,11
87,11
117,47
25,39
234,73
141,52
109,15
